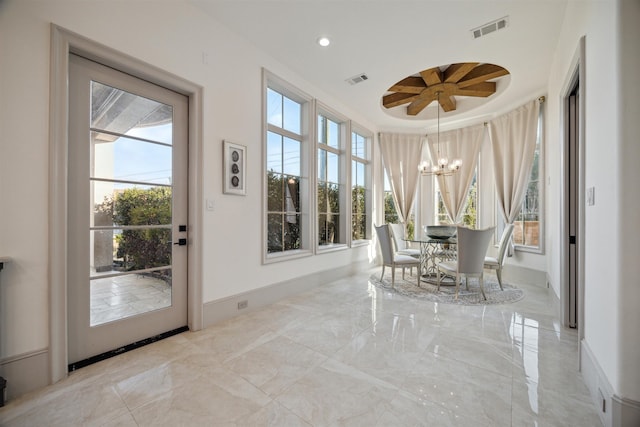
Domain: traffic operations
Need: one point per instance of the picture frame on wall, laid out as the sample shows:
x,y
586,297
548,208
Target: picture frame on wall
x,y
234,168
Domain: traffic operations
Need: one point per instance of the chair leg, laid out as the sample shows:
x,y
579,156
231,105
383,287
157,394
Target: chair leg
x,y
439,278
457,284
466,282
482,287
393,277
403,273
499,274
382,275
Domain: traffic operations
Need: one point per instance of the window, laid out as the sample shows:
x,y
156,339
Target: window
x,y
470,212
295,195
527,231
360,187
390,214
285,168
330,184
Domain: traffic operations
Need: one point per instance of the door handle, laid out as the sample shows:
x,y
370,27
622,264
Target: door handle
x,y
181,242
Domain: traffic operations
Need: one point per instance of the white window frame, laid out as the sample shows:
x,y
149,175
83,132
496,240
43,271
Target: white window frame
x,y
309,173
366,160
343,176
270,81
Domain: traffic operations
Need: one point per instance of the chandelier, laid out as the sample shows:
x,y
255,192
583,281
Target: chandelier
x,y
442,166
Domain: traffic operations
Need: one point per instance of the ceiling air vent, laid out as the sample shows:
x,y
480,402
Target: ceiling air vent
x,y
491,27
357,79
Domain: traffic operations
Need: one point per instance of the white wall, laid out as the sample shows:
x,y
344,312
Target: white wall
x,y
173,36
611,155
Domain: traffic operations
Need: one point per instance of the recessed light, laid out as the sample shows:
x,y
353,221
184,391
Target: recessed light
x,y
324,41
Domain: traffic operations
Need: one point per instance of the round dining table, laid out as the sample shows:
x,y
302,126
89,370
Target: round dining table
x,y
433,250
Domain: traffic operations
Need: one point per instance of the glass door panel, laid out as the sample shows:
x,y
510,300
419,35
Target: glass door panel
x,y
130,177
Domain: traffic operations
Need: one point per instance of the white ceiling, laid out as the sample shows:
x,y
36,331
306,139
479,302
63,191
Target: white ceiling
x,y
391,39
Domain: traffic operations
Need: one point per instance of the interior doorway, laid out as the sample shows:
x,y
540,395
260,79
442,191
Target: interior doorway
x,y
573,198
572,184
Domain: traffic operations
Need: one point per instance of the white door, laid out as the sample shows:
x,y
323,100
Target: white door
x,y
127,212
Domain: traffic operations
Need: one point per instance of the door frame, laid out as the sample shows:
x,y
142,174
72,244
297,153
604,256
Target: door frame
x,y
64,42
575,74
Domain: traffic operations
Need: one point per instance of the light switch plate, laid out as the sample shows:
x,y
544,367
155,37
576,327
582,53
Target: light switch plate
x,y
591,196
210,205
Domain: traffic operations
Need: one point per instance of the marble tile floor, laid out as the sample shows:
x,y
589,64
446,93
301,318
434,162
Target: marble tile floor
x,y
114,298
344,354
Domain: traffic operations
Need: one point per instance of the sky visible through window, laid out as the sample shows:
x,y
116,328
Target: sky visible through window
x,y
143,161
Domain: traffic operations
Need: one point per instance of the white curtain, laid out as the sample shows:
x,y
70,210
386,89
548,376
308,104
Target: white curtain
x,y
401,156
513,139
463,144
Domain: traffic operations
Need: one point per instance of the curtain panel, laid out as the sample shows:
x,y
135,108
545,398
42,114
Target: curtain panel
x,y
400,156
463,144
513,140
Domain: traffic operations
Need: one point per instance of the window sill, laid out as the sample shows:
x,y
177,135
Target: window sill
x,y
358,243
286,256
331,248
528,249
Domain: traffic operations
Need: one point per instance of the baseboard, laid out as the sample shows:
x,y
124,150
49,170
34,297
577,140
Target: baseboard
x,y
625,412
519,274
555,299
226,308
25,373
615,411
597,383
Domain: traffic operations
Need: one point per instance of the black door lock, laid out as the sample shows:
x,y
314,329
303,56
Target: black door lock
x,y
181,242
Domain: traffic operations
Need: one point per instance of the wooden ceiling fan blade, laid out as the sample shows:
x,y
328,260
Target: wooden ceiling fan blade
x,y
444,84
395,99
432,76
481,74
483,89
455,72
410,84
448,103
418,105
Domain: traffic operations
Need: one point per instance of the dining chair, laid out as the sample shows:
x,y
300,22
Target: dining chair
x,y
471,250
497,262
401,245
402,248
391,258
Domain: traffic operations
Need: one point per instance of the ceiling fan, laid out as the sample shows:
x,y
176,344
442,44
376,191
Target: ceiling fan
x,y
444,84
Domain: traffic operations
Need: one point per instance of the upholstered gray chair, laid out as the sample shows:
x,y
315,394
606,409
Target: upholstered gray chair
x,y
401,245
497,262
471,250
391,258
402,248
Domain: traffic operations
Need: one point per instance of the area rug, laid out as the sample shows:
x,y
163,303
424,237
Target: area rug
x,y
446,295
